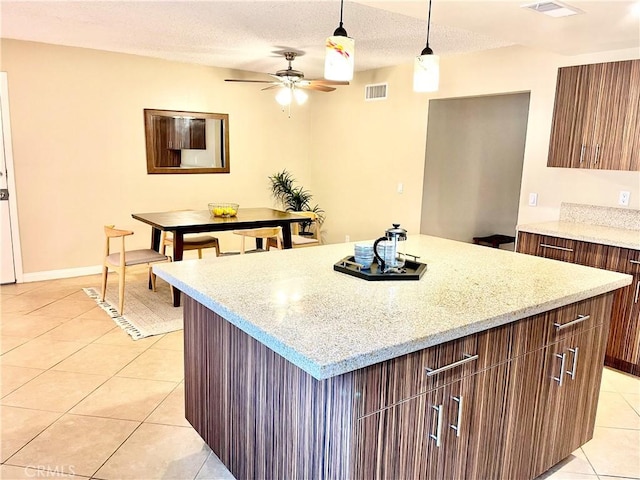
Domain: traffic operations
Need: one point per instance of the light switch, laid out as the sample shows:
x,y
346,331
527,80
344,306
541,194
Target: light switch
x,y
533,199
400,187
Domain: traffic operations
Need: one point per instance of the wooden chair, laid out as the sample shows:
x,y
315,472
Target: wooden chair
x,y
119,261
301,241
267,235
190,243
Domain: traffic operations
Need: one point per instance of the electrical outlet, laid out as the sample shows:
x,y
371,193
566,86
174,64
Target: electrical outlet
x,y
623,199
533,199
347,239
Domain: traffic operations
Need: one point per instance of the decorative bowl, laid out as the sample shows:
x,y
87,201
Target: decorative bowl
x,y
223,209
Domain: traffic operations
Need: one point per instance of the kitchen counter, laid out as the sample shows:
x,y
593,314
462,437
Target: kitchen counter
x,y
328,323
585,232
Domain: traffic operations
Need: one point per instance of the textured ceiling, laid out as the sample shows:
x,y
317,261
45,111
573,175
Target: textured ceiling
x,y
250,35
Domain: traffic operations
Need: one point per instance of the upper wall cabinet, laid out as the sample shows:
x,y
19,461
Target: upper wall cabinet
x,y
596,120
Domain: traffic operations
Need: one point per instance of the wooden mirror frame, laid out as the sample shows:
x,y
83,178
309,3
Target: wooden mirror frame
x,y
156,137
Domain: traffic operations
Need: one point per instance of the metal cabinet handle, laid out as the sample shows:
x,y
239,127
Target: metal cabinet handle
x,y
554,247
637,291
562,357
456,427
581,318
582,152
635,262
597,153
438,436
468,358
572,372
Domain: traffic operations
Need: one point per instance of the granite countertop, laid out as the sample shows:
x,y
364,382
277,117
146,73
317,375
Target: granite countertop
x,y
617,237
329,323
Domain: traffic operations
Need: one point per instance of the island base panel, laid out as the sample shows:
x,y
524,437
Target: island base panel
x,y
260,414
266,418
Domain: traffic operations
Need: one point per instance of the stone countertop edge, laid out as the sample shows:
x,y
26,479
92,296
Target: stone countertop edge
x,y
324,371
616,237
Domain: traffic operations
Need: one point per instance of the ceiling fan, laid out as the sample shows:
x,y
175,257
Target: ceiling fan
x,y
293,79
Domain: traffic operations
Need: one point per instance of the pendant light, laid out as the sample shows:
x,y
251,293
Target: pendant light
x,y
339,54
426,66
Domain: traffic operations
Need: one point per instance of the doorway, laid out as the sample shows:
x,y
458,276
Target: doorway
x,y
473,166
10,265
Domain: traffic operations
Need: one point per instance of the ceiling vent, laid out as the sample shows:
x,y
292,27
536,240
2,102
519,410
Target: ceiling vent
x,y
377,91
553,9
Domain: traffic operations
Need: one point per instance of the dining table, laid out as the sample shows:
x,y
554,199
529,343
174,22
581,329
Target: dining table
x,y
182,222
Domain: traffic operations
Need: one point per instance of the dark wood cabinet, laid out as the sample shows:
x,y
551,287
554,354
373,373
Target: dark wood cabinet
x,y
495,414
623,344
185,133
572,369
595,119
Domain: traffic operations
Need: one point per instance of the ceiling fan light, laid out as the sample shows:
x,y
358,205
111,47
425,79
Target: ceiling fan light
x,y
300,96
339,58
426,73
283,97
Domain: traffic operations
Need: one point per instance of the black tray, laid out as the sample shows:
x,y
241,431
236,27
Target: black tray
x,y
412,270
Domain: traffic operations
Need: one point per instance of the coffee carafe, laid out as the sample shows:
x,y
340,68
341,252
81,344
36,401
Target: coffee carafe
x,y
387,249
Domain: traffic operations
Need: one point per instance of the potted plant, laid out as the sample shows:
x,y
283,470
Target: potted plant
x,y
294,198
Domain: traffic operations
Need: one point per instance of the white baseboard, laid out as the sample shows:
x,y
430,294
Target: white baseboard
x,y
66,273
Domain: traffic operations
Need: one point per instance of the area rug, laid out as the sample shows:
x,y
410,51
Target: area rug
x,y
146,313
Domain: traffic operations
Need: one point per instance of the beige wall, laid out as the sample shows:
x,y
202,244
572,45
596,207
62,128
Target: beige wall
x,y
79,151
78,140
361,150
473,166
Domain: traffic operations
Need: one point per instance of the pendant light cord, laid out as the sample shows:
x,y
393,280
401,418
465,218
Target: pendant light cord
x,y
340,31
428,23
427,50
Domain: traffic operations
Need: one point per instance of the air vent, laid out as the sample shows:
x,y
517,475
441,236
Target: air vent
x,y
376,91
553,9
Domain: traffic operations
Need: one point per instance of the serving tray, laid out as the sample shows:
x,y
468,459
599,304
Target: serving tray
x,y
412,270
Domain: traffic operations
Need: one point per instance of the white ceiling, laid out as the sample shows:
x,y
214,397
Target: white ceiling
x,y
251,34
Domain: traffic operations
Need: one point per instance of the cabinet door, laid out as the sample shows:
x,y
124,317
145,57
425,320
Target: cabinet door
x,y
614,104
568,397
571,117
631,136
623,346
424,437
521,415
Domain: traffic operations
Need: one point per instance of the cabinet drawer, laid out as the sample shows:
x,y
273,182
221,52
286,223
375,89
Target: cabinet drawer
x,y
556,248
547,246
538,331
387,383
571,319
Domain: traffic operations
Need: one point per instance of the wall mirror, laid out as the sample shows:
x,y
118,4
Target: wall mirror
x,y
186,142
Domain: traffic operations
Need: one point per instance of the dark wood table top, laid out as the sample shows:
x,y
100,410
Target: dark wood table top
x,y
194,221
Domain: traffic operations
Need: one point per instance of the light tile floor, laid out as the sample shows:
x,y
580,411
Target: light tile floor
x,y
80,399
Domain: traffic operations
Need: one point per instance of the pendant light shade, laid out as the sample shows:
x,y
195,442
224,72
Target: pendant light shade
x,y
426,66
339,54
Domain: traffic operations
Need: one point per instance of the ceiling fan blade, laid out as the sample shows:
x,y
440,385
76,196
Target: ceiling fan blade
x,y
319,88
275,85
247,81
327,82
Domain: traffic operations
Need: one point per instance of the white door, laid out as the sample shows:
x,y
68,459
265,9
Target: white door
x,y
7,260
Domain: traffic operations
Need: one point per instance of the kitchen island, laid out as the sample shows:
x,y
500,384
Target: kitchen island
x,y
487,367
